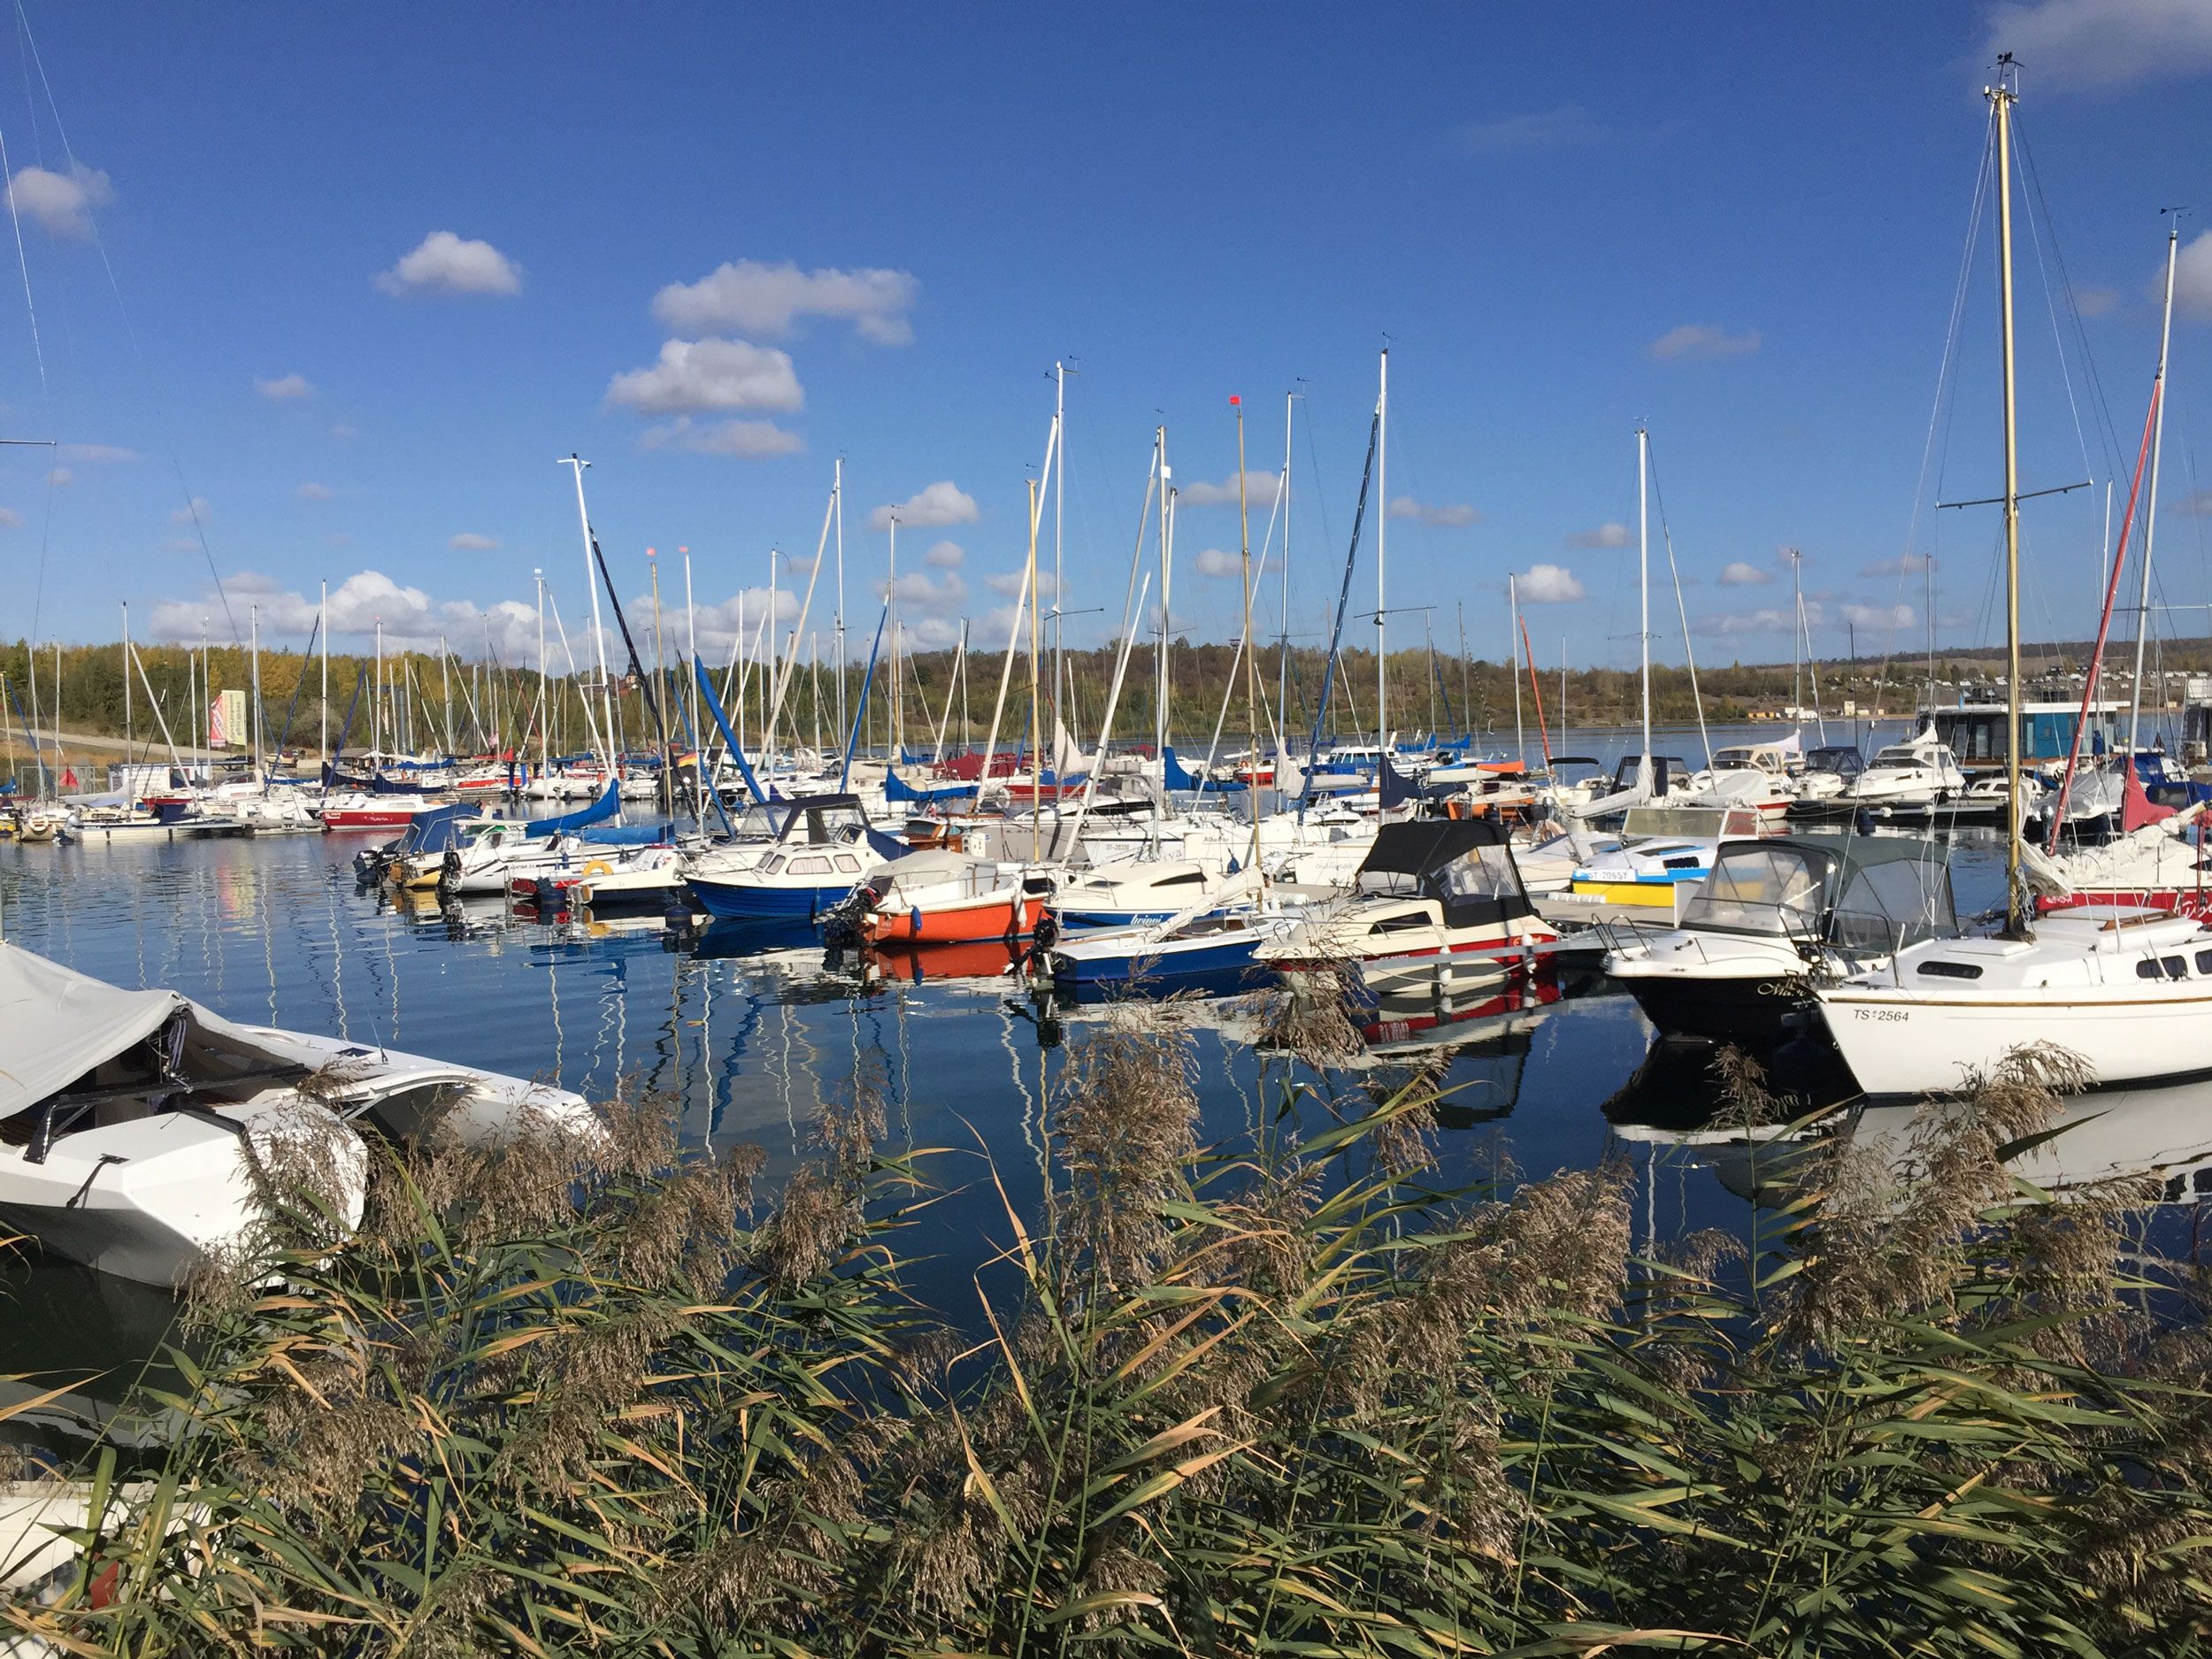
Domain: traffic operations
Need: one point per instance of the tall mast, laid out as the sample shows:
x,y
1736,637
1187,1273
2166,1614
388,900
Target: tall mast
x,y
598,635
837,495
1059,500
376,700
2015,916
1382,520
1251,665
770,665
2150,520
1282,648
660,690
129,746
260,737
892,702
1647,772
691,681
445,683
322,611
1159,688
545,710
1036,743
1513,622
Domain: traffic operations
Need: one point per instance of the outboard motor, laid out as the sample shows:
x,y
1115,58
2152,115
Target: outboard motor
x,y
846,922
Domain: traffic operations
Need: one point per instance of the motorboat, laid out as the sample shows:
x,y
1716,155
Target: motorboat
x,y
943,897
132,1123
1652,871
1908,777
1775,916
277,812
1216,940
1830,771
610,878
356,809
1754,775
1132,891
428,835
822,846
1437,903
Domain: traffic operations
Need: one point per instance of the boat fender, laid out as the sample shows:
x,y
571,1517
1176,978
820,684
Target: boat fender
x,y
596,867
914,921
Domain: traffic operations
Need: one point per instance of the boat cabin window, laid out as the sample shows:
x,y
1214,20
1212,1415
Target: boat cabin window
x,y
1939,970
848,863
2204,962
1400,922
1843,762
1481,873
1182,879
809,866
1688,862
1758,890
2162,968
1901,755
773,865
1682,823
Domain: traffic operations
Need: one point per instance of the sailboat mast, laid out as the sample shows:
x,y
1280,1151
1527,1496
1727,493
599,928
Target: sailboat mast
x,y
1059,513
260,737
1645,771
545,710
598,633
322,611
1159,689
2016,920
130,747
2150,518
1382,522
1036,734
1251,663
895,704
1282,652
1513,644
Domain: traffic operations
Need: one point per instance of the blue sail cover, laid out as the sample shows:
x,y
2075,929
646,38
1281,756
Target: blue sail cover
x,y
897,788
598,812
629,834
1171,773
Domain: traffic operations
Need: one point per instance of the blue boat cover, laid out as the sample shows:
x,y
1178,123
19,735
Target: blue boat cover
x,y
1171,773
598,812
897,788
629,834
886,846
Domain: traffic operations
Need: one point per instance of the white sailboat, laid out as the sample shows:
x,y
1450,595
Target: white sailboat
x,y
2127,991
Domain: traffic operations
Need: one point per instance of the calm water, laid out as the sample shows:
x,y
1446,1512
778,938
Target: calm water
x,y
746,1036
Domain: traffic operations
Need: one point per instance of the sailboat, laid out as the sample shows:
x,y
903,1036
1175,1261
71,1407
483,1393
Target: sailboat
x,y
2126,990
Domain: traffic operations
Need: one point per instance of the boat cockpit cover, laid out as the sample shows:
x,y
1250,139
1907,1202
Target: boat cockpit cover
x,y
56,1025
1772,887
817,820
1896,892
1465,862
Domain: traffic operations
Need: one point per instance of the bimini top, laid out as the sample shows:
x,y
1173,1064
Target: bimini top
x,y
1422,844
1868,891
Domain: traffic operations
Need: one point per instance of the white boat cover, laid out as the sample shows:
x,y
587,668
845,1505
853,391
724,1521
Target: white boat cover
x,y
56,1025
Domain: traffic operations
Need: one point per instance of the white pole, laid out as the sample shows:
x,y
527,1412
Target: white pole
x,y
545,704
598,633
322,612
129,746
1645,770
1282,662
1382,520
1059,498
2150,520
837,495
260,737
1513,642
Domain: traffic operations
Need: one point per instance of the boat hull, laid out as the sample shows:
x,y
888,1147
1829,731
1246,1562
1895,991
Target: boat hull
x,y
1901,1042
747,902
1761,1012
973,922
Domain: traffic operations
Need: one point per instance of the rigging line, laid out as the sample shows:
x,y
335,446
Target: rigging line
x,y
2058,339
1689,652
2101,404
1936,407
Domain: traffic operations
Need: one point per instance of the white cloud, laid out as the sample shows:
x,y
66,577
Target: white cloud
x,y
194,511
920,591
693,376
1903,564
286,389
100,452
2196,504
11,519
61,477
1568,126
61,202
2095,301
471,541
768,299
946,556
1259,489
1767,621
1740,574
1009,583
1548,584
1879,616
345,431
2193,277
1215,561
2102,43
1443,515
742,440
1608,534
443,263
313,491
932,508
1698,343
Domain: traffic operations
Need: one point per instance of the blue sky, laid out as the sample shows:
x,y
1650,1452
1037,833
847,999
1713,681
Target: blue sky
x,y
373,270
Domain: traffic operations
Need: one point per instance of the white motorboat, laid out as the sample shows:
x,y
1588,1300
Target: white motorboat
x,y
132,1123
1774,916
1754,775
1910,777
1437,905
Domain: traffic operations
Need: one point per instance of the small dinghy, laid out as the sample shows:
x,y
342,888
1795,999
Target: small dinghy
x,y
134,1125
941,897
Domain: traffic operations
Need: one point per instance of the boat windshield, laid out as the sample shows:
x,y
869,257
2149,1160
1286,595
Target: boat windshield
x,y
1844,763
1901,755
1682,823
1896,902
1480,872
1774,890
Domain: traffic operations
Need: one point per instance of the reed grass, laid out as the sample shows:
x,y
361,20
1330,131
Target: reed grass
x,y
1272,1398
